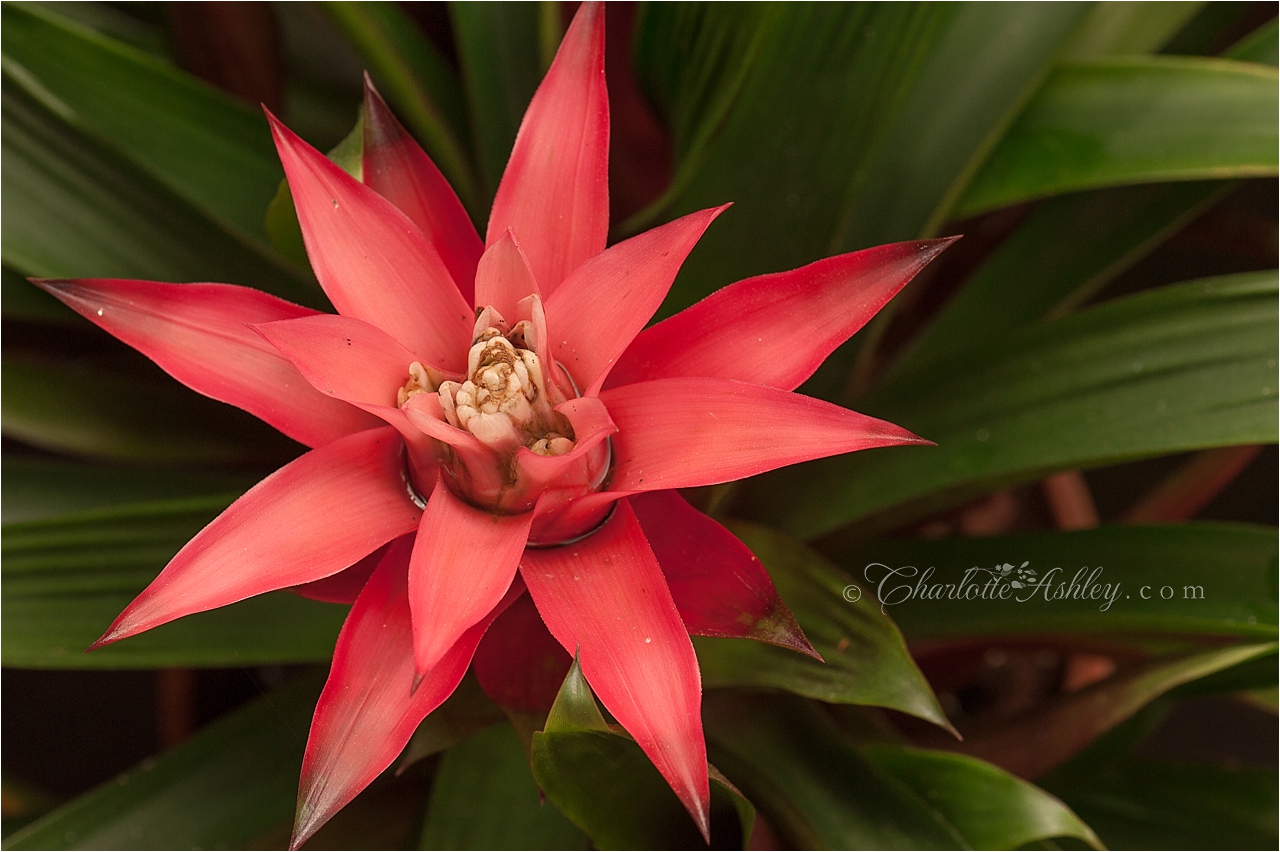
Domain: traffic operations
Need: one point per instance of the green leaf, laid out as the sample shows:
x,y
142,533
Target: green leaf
x,y
40,488
866,660
886,109
211,151
1128,27
604,783
1133,120
484,797
79,210
1259,46
232,781
1064,252
1180,368
1221,582
498,49
1150,804
97,408
819,790
1044,738
465,712
416,80
66,579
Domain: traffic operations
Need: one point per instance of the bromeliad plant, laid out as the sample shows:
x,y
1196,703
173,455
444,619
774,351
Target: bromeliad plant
x,y
516,433
503,455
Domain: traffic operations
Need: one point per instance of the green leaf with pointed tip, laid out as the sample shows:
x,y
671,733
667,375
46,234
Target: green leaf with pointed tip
x,y
484,797
1119,28
1259,46
1044,738
604,783
1222,577
76,210
416,80
1180,368
887,107
866,660
65,580
1133,120
819,790
230,782
122,414
498,48
214,153
1064,252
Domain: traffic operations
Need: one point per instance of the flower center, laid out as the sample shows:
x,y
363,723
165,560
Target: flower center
x,y
507,400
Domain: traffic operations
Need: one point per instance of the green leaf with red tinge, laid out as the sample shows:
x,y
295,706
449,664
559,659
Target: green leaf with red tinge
x,y
605,784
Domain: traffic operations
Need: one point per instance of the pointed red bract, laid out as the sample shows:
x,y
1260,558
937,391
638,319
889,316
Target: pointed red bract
x,y
312,518
200,335
504,277
591,425
600,309
679,433
463,562
555,190
396,167
718,584
373,262
368,709
606,598
776,329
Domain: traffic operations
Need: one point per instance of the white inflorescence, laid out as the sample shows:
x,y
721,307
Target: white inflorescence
x,y
505,401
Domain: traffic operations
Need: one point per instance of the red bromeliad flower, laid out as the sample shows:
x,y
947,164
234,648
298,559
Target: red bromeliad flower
x,y
490,419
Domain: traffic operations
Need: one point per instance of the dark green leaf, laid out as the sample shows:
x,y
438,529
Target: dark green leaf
x,y
1221,582
1149,804
76,209
1044,738
232,781
819,790
39,488
1066,250
465,712
484,797
21,301
213,152
1133,120
866,660
606,785
1181,368
88,408
66,579
1259,46
498,48
886,109
416,80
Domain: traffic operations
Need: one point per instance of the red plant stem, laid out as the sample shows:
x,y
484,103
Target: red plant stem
x,y
1191,487
1069,501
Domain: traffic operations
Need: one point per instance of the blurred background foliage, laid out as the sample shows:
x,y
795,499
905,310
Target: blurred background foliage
x,y
1096,361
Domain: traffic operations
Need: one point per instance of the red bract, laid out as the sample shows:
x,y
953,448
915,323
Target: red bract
x,y
487,418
